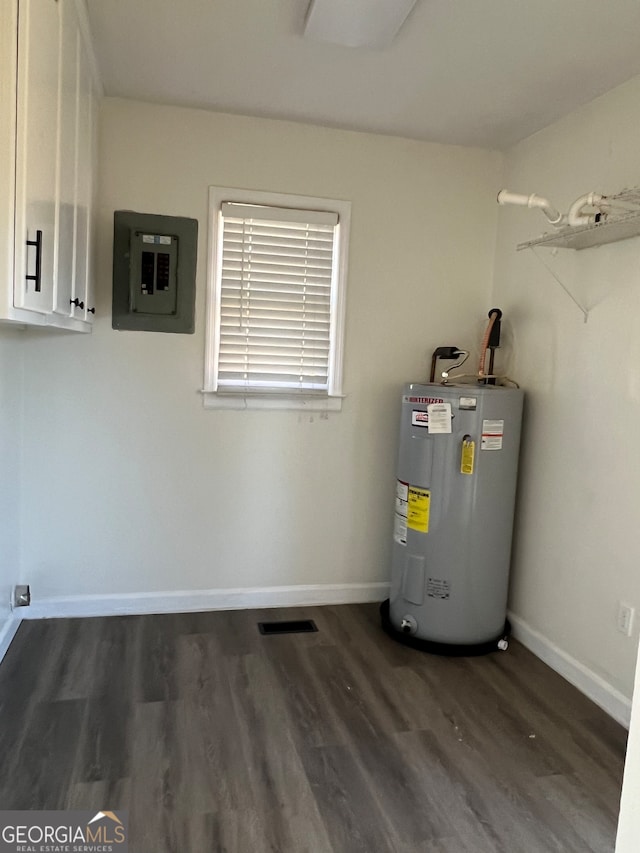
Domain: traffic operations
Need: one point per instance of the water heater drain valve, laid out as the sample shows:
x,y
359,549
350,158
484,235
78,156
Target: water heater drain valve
x,y
409,625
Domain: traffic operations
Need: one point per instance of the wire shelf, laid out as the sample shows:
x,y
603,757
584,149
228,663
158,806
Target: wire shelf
x,y
622,222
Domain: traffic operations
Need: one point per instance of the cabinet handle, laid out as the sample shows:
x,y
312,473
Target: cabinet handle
x,y
91,310
37,277
77,302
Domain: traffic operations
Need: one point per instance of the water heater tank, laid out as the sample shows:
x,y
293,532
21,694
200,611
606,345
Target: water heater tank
x,y
455,495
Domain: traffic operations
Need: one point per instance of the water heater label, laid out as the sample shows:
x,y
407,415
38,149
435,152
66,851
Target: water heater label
x,y
439,418
492,435
400,529
402,510
438,588
423,401
402,497
420,419
468,456
418,509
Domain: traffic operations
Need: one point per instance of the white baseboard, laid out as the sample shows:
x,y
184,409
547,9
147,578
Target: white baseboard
x,y
616,704
8,632
138,603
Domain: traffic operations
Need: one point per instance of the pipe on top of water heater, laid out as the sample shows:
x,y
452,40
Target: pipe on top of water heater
x,y
450,353
491,340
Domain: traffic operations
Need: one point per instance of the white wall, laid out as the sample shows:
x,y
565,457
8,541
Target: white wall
x,y
10,446
577,550
132,485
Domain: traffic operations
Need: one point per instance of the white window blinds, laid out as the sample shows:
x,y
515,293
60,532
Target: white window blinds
x,y
278,267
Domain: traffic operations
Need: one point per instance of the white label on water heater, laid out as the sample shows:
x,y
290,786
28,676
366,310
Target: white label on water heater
x,y
437,588
419,418
400,519
400,529
468,403
439,418
402,497
492,435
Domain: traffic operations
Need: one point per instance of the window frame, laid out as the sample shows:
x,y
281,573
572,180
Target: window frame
x,y
330,400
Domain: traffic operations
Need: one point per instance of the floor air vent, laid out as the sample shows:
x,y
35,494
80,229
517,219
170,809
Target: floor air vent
x,y
302,626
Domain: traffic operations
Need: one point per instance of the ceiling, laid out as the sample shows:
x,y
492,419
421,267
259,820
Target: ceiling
x,y
469,72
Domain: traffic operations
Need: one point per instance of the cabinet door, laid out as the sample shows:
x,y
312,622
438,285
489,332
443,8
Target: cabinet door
x,y
67,159
83,187
36,153
92,148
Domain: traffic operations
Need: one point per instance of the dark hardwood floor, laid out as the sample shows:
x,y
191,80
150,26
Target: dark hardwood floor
x,y
217,739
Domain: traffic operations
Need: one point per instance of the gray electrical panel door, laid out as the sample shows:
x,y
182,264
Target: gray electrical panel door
x,y
154,272
455,497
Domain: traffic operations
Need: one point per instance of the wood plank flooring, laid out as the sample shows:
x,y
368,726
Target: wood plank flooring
x,y
217,739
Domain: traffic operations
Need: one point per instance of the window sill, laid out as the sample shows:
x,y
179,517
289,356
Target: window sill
x,y
291,402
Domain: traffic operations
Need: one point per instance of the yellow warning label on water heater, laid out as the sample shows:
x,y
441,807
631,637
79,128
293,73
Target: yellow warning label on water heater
x,y
418,509
468,457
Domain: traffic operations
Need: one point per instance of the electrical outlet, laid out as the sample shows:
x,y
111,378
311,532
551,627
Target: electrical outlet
x,y
21,596
625,618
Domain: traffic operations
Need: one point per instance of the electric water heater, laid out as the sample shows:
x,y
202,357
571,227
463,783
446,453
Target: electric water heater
x,y
454,504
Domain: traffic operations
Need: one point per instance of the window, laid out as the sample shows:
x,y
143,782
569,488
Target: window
x,y
276,296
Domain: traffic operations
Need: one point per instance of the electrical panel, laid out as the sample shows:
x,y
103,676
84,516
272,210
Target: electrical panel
x,y
154,272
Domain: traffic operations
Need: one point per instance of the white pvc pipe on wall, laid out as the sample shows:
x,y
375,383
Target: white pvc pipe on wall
x,y
534,201
575,215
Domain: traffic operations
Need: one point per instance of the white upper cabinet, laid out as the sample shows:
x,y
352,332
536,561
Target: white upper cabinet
x,y
48,103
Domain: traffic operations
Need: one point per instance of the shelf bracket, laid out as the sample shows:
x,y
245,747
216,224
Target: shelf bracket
x,y
583,310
